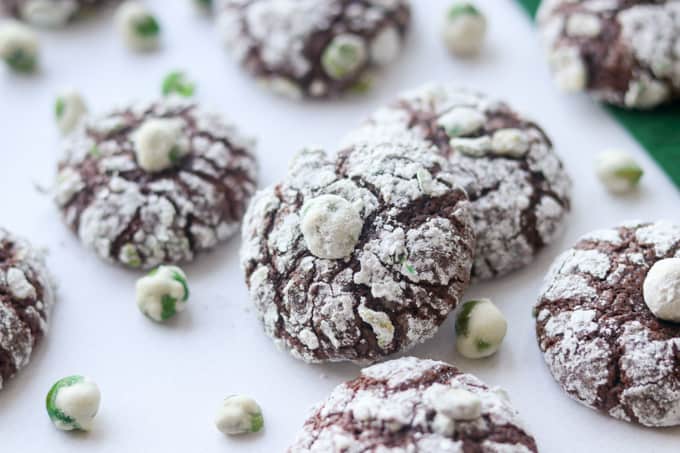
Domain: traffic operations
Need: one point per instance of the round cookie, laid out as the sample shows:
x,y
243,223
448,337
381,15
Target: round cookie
x,y
600,340
26,299
518,187
411,404
623,52
138,205
407,269
48,13
314,48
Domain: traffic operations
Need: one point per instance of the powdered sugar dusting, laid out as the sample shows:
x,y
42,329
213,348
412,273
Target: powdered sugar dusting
x,y
519,198
600,340
408,268
388,409
143,219
25,311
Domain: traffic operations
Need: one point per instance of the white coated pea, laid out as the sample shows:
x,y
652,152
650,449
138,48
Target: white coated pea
x,y
385,46
464,29
331,226
618,171
138,26
48,13
480,329
661,289
344,55
458,404
159,144
510,142
162,293
69,109
18,46
569,70
73,402
239,414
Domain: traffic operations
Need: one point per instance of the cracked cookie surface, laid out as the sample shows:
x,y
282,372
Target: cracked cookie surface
x,y
283,43
600,340
396,406
142,219
406,272
518,187
624,52
26,299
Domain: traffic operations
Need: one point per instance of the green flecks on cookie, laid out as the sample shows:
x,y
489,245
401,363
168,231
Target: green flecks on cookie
x,y
179,278
462,9
169,307
59,108
341,58
177,83
631,173
256,422
131,256
94,151
50,401
463,319
148,27
21,61
362,86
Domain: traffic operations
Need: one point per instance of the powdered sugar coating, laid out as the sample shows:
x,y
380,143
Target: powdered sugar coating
x,y
600,340
282,42
40,13
403,277
519,189
630,49
391,407
142,219
26,300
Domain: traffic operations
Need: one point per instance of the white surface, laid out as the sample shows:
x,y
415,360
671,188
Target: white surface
x,y
161,384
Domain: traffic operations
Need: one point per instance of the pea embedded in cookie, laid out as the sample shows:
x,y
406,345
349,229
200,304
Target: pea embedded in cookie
x,y
411,404
621,52
358,256
155,182
314,48
604,321
520,191
26,299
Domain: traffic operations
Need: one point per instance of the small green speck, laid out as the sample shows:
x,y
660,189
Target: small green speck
x,y
168,304
463,9
534,312
631,173
174,155
341,59
463,319
410,268
179,278
21,61
50,401
362,86
454,131
177,83
205,3
153,271
148,27
59,108
94,151
256,422
483,345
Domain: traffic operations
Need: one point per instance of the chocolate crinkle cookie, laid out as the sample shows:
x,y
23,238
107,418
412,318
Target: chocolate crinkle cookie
x,y
360,256
48,13
411,404
156,182
518,187
601,342
624,52
314,48
26,299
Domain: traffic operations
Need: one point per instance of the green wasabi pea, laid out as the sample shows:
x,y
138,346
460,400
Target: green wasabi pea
x,y
162,293
73,402
343,56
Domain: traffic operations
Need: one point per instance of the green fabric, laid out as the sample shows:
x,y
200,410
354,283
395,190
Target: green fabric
x,y
657,131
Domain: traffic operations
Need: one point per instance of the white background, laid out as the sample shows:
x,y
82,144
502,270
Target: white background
x,y
161,384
